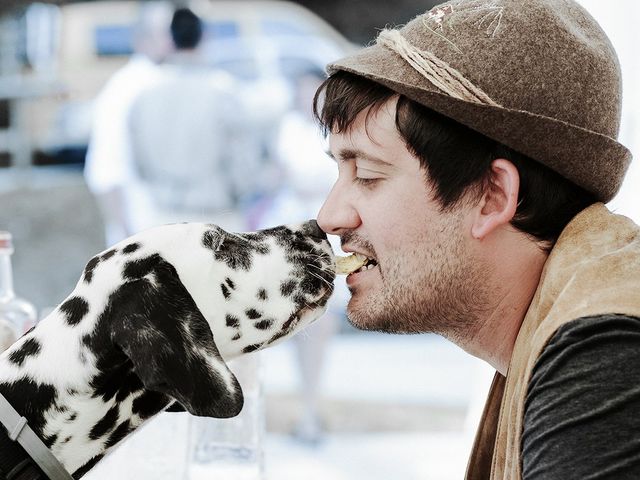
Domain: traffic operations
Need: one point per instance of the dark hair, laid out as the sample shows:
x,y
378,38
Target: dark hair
x,y
456,158
186,29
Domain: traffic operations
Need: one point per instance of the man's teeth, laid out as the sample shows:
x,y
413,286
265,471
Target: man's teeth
x,y
354,263
365,267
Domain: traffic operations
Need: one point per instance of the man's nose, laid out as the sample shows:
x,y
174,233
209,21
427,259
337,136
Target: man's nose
x,y
338,215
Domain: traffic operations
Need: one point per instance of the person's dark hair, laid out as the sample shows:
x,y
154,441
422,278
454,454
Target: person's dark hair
x,y
186,29
456,158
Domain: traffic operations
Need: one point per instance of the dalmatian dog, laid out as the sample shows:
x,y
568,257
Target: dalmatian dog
x,y
150,326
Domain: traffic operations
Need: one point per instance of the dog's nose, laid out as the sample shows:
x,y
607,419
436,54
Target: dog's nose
x,y
312,229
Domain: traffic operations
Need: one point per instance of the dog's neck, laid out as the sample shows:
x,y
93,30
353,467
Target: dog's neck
x,y
82,419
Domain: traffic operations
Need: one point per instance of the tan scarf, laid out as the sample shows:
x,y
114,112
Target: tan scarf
x,y
594,269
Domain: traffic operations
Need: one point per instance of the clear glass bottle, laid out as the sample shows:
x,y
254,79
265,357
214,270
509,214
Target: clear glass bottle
x,y
16,314
232,448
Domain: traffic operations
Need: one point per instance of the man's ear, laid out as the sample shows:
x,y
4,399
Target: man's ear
x,y
499,200
159,327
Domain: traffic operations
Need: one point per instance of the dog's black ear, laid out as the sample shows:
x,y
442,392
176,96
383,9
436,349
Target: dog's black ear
x,y
159,327
175,407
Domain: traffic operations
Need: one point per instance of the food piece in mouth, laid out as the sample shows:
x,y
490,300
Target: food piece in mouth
x,y
350,264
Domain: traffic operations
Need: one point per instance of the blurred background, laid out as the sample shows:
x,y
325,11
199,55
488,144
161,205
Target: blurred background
x,y
87,157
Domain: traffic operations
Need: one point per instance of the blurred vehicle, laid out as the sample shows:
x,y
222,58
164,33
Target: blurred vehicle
x,y
264,44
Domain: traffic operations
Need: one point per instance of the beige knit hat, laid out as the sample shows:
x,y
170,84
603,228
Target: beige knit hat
x,y
539,76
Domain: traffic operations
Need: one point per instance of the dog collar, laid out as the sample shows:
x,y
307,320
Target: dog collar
x,y
19,431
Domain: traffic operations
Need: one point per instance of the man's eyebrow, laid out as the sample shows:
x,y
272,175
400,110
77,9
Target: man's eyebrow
x,y
354,154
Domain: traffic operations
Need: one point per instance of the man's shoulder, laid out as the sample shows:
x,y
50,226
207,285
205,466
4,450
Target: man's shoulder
x,y
582,409
589,342
594,327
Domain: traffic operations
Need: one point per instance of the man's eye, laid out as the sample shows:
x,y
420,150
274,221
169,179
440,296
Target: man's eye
x,y
365,181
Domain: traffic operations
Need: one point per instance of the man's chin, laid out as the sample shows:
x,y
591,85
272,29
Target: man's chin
x,y
364,319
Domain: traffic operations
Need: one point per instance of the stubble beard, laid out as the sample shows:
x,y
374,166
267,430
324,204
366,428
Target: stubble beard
x,y
440,289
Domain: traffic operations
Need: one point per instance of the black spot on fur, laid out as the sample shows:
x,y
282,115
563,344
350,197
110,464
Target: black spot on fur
x,y
87,466
50,440
149,403
129,384
264,324
75,309
252,314
232,285
68,439
237,250
89,268
139,268
115,380
236,260
72,417
29,348
107,255
105,424
262,294
211,239
311,285
258,241
119,433
232,321
251,348
225,291
287,287
31,400
237,336
132,247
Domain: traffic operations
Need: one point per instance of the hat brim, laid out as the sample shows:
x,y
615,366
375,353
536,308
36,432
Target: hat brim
x,y
570,150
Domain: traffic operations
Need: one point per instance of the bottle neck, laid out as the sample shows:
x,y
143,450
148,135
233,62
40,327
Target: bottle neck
x,y
6,276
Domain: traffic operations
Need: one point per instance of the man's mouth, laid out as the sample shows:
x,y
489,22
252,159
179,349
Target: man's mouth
x,y
354,263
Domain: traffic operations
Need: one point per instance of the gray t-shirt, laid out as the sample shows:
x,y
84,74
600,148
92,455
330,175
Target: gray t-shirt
x,y
582,411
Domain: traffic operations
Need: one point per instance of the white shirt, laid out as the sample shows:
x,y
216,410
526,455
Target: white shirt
x,y
109,160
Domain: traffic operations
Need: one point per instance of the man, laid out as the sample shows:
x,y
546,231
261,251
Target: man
x,y
474,146
191,147
109,166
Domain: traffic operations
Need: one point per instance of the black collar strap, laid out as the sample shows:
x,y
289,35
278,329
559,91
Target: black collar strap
x,y
18,430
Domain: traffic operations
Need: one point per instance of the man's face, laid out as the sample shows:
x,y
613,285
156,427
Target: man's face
x,y
381,205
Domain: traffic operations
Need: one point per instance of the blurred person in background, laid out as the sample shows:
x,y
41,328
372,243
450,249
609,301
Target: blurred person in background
x,y
476,147
307,178
109,165
194,156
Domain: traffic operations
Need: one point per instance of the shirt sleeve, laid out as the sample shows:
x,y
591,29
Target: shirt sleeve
x,y
582,411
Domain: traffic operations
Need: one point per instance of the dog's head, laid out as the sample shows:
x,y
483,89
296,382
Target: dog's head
x,y
194,296
269,285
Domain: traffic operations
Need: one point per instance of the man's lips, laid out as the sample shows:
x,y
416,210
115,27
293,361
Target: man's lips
x,y
348,249
357,262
